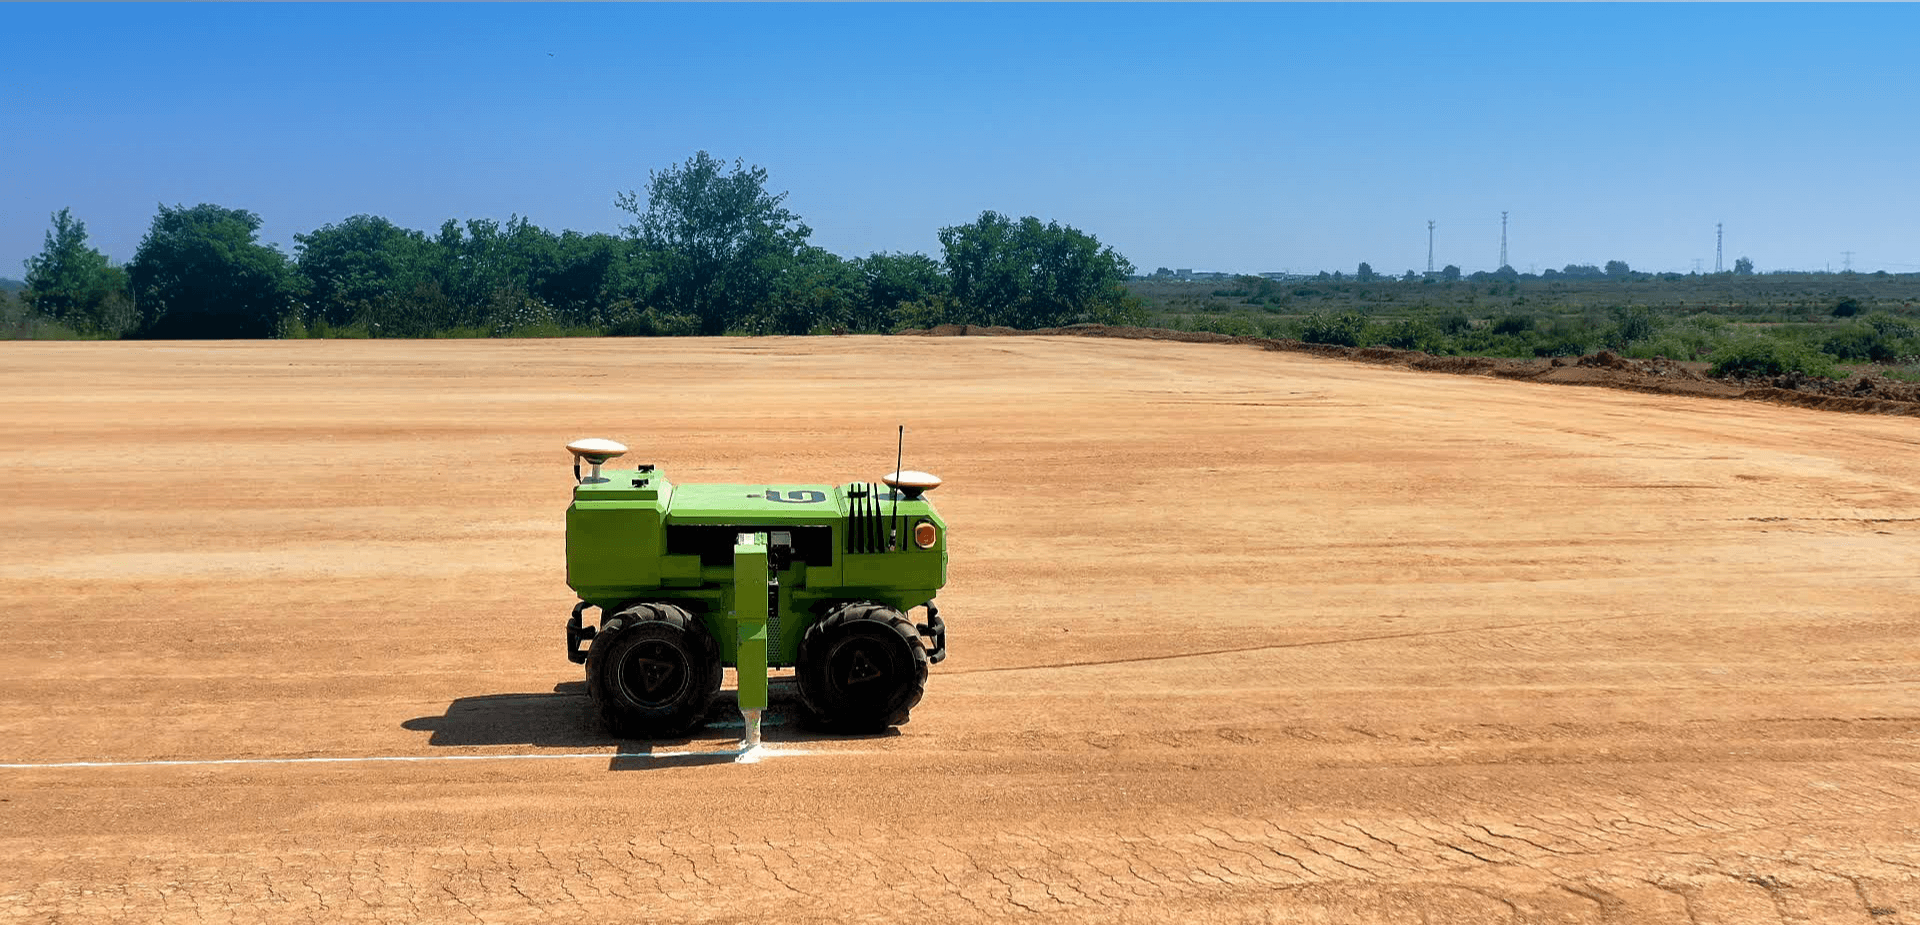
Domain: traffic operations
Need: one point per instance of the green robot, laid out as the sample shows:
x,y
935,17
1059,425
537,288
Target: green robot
x,y
689,579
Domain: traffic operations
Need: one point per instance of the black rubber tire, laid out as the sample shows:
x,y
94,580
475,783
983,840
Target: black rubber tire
x,y
652,671
862,669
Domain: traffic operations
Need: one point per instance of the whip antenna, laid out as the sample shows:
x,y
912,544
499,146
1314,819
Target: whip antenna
x,y
899,454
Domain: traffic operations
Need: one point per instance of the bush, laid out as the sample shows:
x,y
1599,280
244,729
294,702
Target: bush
x,y
1513,324
651,322
1689,340
1230,325
921,314
1846,308
1880,337
1563,345
1483,342
1414,335
1769,357
1891,327
1569,337
1455,324
20,322
512,313
1343,330
1275,327
1853,342
1632,325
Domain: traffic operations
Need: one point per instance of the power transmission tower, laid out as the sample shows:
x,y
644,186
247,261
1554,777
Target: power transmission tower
x,y
1848,265
1429,247
1716,246
1503,239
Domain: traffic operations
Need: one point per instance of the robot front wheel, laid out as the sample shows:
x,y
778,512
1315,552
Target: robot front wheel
x,y
862,669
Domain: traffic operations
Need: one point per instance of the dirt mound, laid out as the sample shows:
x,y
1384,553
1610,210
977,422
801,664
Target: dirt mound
x,y
1867,388
1832,402
1453,364
1606,369
1605,359
964,330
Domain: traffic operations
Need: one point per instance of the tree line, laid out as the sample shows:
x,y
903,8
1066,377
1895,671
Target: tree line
x,y
1451,273
709,250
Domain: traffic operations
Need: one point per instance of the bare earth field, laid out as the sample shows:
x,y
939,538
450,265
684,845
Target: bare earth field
x,y
1238,636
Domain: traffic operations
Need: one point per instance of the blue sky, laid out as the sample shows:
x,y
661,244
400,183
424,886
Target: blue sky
x,y
1233,137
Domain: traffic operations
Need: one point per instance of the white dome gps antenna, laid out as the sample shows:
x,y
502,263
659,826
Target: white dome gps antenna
x,y
912,483
595,451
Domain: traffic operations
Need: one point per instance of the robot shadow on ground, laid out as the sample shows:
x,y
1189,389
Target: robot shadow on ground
x,y
565,718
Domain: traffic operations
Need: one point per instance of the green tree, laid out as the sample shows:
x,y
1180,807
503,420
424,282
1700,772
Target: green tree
x,y
716,240
1618,269
361,270
199,272
1450,273
1742,267
1028,275
75,284
578,276
1364,273
491,272
817,292
892,280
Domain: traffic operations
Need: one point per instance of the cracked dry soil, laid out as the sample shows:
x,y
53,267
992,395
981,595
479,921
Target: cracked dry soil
x,y
1239,636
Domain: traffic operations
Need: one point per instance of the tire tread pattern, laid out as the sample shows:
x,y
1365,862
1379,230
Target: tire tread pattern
x,y
625,724
821,715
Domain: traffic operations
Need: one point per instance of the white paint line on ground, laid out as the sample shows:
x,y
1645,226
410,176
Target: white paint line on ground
x,y
750,757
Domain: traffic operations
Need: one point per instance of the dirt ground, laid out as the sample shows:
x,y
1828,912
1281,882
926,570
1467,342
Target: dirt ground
x,y
1238,636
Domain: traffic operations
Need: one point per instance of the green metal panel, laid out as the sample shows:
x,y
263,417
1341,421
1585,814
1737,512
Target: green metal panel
x,y
750,620
614,538
617,551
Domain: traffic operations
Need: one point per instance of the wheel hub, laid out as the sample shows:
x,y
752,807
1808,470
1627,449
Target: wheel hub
x,y
653,673
860,664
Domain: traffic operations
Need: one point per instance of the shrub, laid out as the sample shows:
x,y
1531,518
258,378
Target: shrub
x,y
1562,345
1344,330
1413,335
1882,338
1513,324
1455,324
1890,326
651,322
1770,357
935,309
1846,308
1230,325
1483,342
1852,342
1632,325
1693,339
